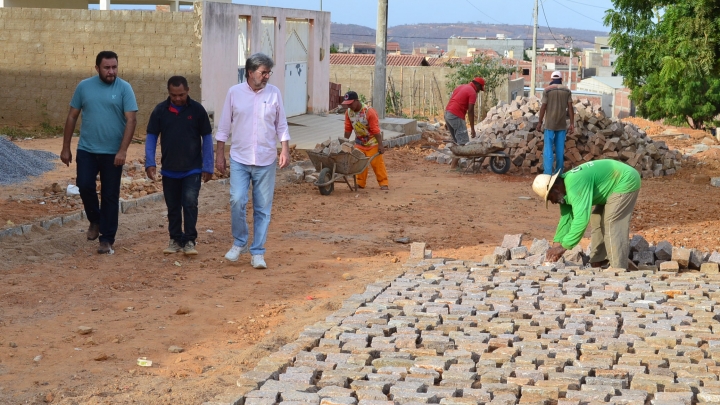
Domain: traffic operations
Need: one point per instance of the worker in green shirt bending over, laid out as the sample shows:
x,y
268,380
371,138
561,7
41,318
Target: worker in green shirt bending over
x,y
612,187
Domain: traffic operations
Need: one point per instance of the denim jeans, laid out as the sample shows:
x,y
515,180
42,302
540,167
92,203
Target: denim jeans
x,y
181,198
554,141
262,179
106,214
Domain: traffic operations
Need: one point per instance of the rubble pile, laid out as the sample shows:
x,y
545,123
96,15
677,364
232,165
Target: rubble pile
x,y
645,256
513,127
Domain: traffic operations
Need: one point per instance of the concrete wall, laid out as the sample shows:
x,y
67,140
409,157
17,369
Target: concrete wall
x,y
220,50
427,93
48,51
79,4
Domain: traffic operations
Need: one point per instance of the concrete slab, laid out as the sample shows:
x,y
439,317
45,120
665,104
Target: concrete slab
x,y
307,130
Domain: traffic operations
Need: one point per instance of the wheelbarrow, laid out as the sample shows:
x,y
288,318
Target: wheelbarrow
x,y
476,154
338,167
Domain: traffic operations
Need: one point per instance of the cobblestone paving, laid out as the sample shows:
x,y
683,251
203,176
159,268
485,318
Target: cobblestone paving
x,y
459,333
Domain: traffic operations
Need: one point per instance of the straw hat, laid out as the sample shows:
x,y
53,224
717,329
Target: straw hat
x,y
542,185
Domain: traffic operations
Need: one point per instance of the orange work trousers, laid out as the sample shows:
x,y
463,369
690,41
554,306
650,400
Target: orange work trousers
x,y
378,166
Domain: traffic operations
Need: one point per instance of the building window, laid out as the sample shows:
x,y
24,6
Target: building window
x,y
526,72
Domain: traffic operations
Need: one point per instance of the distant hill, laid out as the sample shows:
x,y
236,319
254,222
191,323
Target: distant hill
x,y
432,35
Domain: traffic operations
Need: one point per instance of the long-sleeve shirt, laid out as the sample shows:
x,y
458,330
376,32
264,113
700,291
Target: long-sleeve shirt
x,y
366,125
591,184
256,121
208,165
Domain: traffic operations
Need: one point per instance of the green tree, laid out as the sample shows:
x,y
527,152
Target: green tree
x,y
669,55
492,70
333,48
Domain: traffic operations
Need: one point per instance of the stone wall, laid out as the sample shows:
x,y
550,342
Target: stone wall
x,y
46,52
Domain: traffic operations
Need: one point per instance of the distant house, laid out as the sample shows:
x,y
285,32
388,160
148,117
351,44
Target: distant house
x,y
428,51
621,106
362,48
369,48
369,60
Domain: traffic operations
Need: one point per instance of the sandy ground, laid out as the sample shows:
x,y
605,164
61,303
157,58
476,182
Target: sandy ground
x,y
321,249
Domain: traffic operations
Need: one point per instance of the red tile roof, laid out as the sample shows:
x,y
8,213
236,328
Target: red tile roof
x,y
441,61
369,60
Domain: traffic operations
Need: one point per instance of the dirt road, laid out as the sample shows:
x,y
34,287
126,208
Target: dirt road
x,y
321,249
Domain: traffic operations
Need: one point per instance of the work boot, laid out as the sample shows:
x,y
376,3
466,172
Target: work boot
x,y
105,248
173,247
93,231
189,248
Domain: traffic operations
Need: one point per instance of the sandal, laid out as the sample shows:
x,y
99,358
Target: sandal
x,y
384,188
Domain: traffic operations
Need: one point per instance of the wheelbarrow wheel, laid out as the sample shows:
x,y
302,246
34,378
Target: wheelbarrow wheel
x,y
500,164
324,177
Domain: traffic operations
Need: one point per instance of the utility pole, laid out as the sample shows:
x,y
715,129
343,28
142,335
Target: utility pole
x,y
570,39
378,97
534,51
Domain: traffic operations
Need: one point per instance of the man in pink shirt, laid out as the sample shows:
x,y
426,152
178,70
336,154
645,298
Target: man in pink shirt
x,y
462,102
254,114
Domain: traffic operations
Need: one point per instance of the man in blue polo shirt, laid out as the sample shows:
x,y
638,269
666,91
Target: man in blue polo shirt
x,y
109,116
181,123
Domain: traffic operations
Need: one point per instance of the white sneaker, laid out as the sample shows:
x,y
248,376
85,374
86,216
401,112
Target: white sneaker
x,y
258,262
235,251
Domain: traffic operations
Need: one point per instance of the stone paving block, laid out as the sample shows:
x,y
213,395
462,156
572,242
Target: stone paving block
x,y
348,400
663,251
672,266
681,256
512,241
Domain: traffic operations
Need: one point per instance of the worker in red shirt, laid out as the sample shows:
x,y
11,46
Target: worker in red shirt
x,y
462,102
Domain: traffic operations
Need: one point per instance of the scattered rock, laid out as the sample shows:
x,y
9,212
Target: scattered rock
x,y
101,357
175,349
347,276
84,330
182,311
404,240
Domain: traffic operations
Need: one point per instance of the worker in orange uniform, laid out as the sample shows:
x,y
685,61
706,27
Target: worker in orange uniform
x,y
368,138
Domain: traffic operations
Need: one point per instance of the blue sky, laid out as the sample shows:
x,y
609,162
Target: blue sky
x,y
581,14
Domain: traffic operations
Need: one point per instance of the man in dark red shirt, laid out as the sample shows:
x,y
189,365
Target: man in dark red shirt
x,y
462,102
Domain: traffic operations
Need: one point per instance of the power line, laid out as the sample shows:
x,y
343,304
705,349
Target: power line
x,y
589,5
577,12
482,12
542,5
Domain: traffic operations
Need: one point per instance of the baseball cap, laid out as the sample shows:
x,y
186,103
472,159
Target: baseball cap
x,y
556,75
350,96
480,81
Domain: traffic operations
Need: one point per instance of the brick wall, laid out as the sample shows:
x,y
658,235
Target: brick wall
x,y
46,52
622,106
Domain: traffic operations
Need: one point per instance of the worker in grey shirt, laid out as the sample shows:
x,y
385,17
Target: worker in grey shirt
x,y
556,106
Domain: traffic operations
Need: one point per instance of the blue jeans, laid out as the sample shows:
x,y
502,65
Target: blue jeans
x,y
181,198
262,179
554,142
105,214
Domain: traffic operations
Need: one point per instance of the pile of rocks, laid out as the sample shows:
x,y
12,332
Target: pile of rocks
x,y
335,146
596,136
662,257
